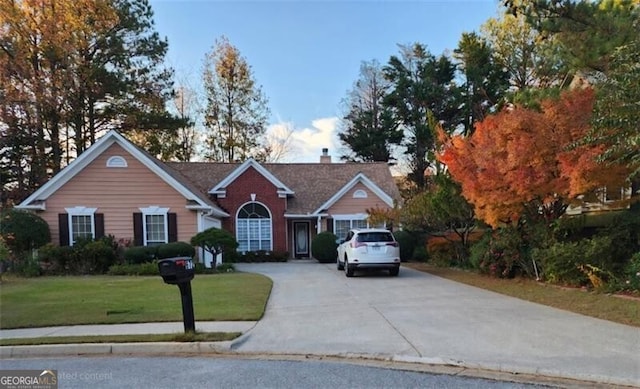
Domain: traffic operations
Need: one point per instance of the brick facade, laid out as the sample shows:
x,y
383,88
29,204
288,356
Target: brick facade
x,y
239,192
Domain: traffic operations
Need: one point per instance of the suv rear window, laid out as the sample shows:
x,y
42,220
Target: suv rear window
x,y
374,237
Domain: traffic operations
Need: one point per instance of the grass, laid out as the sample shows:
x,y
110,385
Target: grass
x,y
53,301
600,305
184,337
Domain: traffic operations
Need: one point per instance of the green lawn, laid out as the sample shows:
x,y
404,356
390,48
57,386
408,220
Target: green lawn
x,y
600,305
51,301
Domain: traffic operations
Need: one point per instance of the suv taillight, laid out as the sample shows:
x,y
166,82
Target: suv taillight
x,y
356,244
394,244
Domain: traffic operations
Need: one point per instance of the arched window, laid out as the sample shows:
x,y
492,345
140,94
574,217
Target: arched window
x,y
116,161
253,227
360,194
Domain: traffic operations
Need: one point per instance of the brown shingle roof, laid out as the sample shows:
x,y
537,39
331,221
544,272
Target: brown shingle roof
x,y
313,183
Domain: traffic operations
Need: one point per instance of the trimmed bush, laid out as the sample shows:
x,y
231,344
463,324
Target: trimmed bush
x,y
139,269
176,249
258,256
324,247
140,254
407,244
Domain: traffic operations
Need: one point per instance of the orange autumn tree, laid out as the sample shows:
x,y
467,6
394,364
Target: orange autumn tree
x,y
526,162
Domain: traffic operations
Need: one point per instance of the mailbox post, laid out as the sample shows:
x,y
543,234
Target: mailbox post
x,y
180,271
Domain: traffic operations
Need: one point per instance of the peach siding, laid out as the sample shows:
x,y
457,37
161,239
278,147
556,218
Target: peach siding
x,y
348,205
118,193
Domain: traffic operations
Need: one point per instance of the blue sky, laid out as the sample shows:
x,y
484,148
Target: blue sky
x,y
307,54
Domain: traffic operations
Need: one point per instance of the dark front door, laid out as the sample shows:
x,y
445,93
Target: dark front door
x,y
301,239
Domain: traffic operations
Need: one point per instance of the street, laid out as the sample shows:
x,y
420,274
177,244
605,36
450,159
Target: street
x,y
226,372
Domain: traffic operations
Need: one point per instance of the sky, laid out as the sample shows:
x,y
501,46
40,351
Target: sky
x,y
305,54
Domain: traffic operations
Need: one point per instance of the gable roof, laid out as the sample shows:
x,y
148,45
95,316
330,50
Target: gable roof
x,y
220,189
314,184
196,200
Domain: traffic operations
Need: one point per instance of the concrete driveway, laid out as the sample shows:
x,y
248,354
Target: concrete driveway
x,y
315,309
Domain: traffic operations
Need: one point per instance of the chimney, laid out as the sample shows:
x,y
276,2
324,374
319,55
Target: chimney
x,y
325,157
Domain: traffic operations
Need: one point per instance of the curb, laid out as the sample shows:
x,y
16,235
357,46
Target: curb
x,y
435,365
115,349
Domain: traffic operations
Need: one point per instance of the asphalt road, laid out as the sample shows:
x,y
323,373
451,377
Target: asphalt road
x,y
315,309
213,372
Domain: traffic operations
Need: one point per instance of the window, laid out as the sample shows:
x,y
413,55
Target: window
x,y
342,224
155,226
253,228
116,161
81,223
360,194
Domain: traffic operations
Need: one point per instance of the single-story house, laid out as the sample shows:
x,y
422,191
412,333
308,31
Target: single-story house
x,y
115,188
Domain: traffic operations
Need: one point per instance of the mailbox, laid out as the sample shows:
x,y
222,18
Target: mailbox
x,y
178,270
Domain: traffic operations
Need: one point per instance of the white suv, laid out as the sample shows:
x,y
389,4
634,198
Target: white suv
x,y
370,248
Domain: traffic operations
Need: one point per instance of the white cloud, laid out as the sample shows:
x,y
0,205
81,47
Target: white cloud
x,y
307,143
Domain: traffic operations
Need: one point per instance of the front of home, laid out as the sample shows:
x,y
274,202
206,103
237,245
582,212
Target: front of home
x,y
115,188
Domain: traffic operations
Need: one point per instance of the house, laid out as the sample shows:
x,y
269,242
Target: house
x,y
115,188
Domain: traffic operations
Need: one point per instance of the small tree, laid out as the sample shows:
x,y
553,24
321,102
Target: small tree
x,y
214,241
23,231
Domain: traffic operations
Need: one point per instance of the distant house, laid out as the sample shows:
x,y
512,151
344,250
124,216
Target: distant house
x,y
115,188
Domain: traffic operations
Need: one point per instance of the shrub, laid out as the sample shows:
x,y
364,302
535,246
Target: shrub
x,y
55,259
631,279
175,249
420,253
324,247
26,267
92,258
226,268
440,251
587,262
23,231
407,244
139,269
506,252
256,256
140,254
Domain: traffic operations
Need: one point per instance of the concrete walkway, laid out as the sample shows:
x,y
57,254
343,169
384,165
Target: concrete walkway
x,y
127,329
415,317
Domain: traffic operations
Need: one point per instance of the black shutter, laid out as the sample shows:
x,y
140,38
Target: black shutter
x,y
330,225
137,229
98,218
63,227
172,220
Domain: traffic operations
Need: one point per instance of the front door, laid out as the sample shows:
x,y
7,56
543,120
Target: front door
x,y
301,239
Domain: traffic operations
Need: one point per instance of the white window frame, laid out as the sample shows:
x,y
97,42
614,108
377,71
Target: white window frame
x,y
351,218
80,211
154,211
117,161
360,194
270,222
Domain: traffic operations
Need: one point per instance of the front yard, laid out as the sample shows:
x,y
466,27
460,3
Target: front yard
x,y
53,301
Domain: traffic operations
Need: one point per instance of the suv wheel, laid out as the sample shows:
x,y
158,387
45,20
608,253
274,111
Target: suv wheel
x,y
394,271
339,264
348,270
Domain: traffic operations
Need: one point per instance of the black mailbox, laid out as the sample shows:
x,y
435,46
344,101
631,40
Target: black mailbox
x,y
176,270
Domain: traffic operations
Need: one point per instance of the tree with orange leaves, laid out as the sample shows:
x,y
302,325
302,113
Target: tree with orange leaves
x,y
522,162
